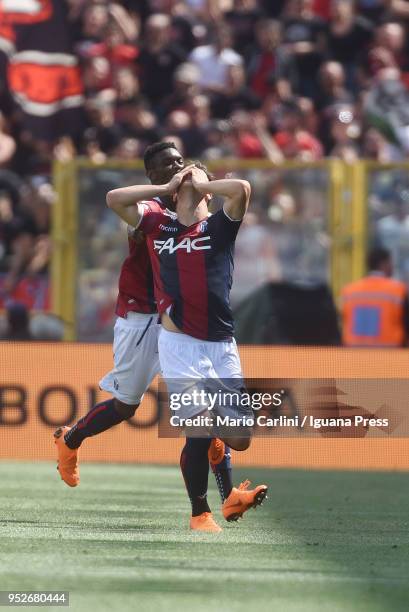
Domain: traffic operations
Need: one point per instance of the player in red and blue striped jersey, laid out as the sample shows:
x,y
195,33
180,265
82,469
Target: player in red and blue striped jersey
x,y
194,270
135,348
192,260
135,345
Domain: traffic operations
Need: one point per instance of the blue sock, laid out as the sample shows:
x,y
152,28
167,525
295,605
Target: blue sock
x,y
101,417
223,474
194,464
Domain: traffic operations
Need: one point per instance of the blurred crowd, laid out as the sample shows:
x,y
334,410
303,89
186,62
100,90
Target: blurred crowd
x,y
273,79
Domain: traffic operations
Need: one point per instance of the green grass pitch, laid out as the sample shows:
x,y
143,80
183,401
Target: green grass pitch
x,y
333,541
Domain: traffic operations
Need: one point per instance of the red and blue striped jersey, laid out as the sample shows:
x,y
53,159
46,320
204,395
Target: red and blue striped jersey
x,y
136,292
192,270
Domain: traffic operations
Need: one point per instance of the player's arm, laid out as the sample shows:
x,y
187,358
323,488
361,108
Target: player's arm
x,y
235,191
124,200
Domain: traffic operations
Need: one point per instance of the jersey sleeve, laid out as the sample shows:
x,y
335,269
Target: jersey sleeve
x,y
229,226
151,216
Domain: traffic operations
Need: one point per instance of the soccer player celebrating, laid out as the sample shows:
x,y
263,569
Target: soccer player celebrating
x,y
135,345
192,261
136,362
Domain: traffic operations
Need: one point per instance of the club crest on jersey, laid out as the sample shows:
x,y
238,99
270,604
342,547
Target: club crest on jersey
x,y
203,226
186,244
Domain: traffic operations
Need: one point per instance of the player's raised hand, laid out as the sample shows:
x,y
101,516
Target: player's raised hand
x,y
176,180
200,180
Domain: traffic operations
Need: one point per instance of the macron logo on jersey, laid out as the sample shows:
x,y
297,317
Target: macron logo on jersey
x,y
167,228
186,244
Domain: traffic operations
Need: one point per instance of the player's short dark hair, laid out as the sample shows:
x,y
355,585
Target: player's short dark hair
x,y
378,256
155,148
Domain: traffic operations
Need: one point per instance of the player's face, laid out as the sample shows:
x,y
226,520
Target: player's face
x,y
164,165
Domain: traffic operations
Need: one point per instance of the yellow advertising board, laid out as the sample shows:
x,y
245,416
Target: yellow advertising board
x,y
46,385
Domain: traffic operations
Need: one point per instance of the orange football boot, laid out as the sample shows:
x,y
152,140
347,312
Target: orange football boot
x,y
241,499
67,459
216,451
204,522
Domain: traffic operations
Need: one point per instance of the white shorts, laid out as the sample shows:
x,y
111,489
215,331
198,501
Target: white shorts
x,y
189,363
136,359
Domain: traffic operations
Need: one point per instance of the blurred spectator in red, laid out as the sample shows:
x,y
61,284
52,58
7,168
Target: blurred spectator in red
x,y
247,142
267,59
270,148
96,75
293,140
114,47
322,8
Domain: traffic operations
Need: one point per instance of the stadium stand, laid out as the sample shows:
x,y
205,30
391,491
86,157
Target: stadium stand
x,y
285,80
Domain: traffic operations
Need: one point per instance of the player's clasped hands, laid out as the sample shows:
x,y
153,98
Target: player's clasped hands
x,y
199,180
178,179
